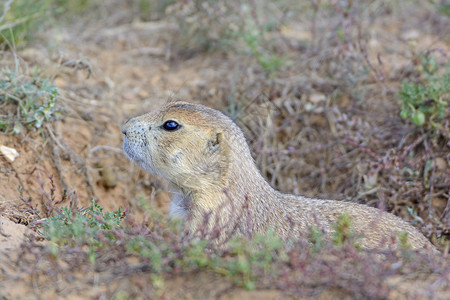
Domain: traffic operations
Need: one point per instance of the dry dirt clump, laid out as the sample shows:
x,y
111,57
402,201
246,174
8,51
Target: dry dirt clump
x,y
316,87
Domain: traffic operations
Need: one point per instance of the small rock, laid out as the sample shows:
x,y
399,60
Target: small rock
x,y
9,153
143,94
440,163
374,43
296,33
12,235
198,83
370,181
439,203
410,35
343,102
59,82
318,120
317,97
129,96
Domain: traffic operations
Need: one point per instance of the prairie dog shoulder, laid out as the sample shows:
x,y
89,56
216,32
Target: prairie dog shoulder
x,y
206,160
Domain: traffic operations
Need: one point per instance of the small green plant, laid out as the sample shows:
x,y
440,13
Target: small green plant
x,y
152,9
257,253
405,245
425,103
149,250
254,39
22,18
74,7
29,102
404,241
413,213
229,25
196,255
343,231
317,238
81,227
444,8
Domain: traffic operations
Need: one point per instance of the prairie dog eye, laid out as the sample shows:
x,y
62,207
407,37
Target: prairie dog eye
x,y
171,125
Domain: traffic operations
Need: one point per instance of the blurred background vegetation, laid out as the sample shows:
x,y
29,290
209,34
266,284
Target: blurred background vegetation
x,y
338,99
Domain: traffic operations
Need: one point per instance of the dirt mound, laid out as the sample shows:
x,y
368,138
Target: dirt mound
x,y
12,235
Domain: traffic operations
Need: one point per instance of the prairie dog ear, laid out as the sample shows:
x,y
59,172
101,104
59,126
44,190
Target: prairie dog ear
x,y
217,153
216,142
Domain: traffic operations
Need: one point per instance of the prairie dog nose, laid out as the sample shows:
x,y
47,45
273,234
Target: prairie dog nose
x,y
126,126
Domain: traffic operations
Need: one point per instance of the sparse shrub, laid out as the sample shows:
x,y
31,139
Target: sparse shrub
x,y
317,238
404,241
444,8
425,103
203,24
255,40
81,227
231,25
152,9
71,7
147,249
80,238
195,255
343,231
22,18
250,255
30,101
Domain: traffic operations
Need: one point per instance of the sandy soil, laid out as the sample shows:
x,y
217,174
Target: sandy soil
x,y
133,71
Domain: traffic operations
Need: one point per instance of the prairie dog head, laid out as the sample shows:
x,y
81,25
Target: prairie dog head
x,y
184,143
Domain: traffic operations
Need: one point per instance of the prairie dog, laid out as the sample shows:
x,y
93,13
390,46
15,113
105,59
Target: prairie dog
x,y
206,160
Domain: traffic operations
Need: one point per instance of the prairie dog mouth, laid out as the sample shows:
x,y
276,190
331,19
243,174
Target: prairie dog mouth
x,y
137,156
128,149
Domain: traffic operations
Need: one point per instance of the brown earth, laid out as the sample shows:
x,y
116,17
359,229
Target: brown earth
x,y
134,70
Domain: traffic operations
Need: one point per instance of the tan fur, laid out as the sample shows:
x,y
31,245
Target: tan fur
x,y
208,165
